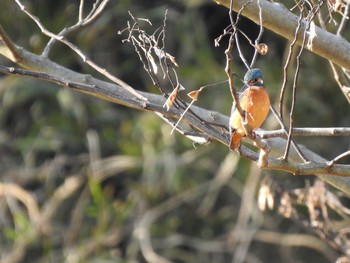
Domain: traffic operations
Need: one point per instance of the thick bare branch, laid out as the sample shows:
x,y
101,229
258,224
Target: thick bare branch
x,y
116,94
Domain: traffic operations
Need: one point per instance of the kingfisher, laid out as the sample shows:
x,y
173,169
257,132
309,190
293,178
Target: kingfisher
x,y
255,103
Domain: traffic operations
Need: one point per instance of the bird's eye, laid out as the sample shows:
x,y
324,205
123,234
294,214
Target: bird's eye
x,y
254,80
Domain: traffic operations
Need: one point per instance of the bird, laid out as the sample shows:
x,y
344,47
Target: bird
x,y
255,103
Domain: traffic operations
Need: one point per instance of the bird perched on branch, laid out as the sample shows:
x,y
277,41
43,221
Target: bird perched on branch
x,y
255,104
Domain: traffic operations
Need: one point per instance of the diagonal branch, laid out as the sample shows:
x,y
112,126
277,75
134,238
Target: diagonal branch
x,y
155,103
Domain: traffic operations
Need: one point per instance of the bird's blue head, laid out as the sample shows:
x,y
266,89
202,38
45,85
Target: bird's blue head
x,y
253,77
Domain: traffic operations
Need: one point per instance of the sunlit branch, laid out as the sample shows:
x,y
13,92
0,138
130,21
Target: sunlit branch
x,y
307,131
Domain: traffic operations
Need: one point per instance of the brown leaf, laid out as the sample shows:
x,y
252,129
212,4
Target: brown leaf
x,y
153,63
262,48
194,94
172,59
161,53
169,102
336,5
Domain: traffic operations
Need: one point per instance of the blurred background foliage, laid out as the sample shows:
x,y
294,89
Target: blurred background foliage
x,y
97,171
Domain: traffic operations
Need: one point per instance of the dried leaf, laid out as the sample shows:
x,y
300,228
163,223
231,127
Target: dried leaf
x,y
161,54
170,101
312,35
337,5
153,63
262,48
172,59
194,94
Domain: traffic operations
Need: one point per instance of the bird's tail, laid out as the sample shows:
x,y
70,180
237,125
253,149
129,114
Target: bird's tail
x,y
235,140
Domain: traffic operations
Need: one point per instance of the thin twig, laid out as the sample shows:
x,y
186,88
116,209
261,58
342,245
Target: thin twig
x,y
285,69
285,131
261,31
79,24
195,136
80,53
294,89
229,59
81,10
336,159
240,52
95,12
344,20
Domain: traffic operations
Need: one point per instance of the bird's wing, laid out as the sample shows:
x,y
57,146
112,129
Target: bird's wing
x,y
240,96
233,109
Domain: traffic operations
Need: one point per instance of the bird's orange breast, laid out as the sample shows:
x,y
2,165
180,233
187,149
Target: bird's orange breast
x,y
256,103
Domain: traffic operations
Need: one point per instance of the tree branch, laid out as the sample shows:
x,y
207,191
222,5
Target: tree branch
x,y
116,94
308,131
279,19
